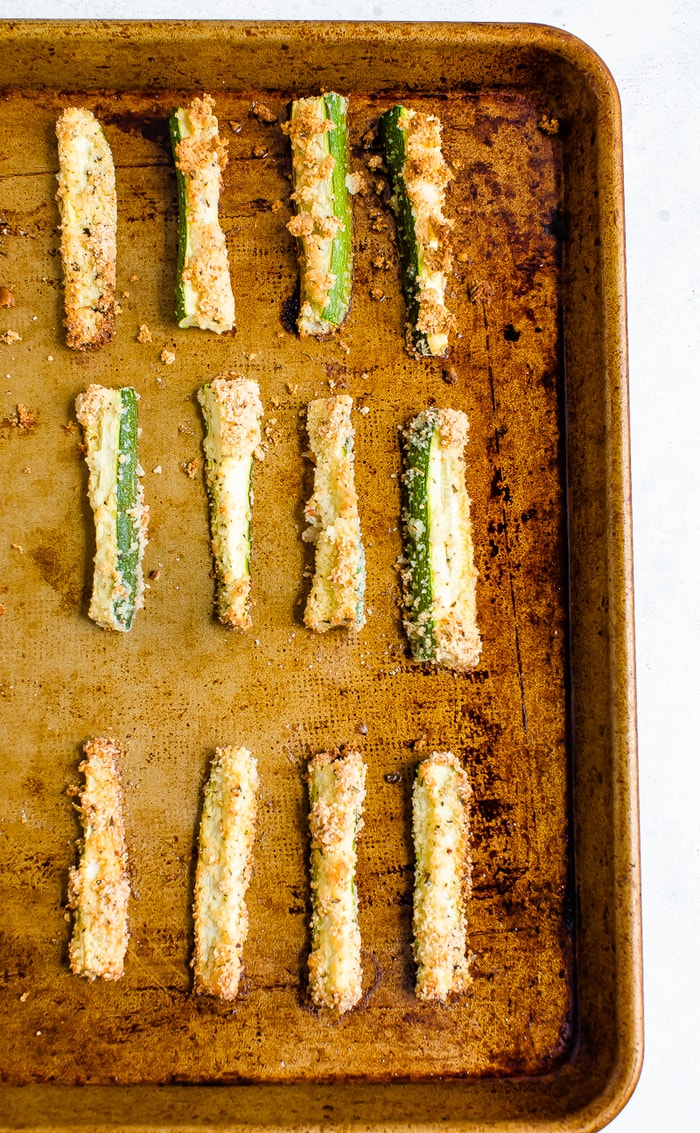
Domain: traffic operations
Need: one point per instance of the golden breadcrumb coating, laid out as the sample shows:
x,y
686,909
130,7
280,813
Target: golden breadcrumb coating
x,y
87,201
441,795
226,836
98,888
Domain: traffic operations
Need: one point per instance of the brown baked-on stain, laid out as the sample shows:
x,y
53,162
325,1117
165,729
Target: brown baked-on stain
x,y
152,127
60,566
289,311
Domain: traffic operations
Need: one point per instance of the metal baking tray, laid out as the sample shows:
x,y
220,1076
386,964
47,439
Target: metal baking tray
x,y
550,1035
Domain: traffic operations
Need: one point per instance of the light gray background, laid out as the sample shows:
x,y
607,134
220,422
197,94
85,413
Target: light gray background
x,y
653,50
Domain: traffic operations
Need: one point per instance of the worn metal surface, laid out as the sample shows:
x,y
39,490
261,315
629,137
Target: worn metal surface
x,y
179,684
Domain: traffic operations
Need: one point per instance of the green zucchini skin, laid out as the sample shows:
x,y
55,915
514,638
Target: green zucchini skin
x,y
418,438
318,131
336,109
393,140
418,175
176,138
128,534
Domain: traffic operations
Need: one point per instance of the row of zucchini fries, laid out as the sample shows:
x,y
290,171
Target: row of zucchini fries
x,y
322,223
99,885
439,575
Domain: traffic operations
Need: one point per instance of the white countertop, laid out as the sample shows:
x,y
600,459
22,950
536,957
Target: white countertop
x,y
653,51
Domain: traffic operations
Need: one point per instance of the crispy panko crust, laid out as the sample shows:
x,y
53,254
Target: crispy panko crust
x,y
87,201
98,888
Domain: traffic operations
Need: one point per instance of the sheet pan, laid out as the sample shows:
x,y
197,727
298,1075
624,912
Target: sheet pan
x,y
551,1033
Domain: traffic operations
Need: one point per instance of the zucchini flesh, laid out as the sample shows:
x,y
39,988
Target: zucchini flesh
x,y
441,796
336,797
323,221
232,412
439,575
110,423
203,297
226,837
338,587
418,175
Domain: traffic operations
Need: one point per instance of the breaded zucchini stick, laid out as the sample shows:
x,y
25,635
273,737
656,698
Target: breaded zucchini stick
x,y
336,796
323,222
87,201
439,576
204,297
338,588
419,174
441,794
110,427
232,412
226,837
98,888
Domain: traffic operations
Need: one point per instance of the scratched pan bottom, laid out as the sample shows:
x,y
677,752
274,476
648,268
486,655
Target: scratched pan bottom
x,y
179,684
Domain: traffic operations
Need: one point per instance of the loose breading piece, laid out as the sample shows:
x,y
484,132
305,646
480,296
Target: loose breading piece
x,y
226,836
232,412
336,796
337,591
439,575
204,297
419,175
98,888
110,423
322,222
87,201
441,795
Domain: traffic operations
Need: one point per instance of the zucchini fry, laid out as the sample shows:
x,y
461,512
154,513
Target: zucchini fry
x,y
232,412
323,221
204,297
337,591
336,797
226,837
87,201
441,794
98,888
439,576
419,174
110,423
